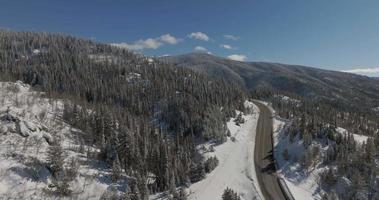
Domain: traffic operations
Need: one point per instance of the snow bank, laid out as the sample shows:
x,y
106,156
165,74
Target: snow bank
x,y
236,163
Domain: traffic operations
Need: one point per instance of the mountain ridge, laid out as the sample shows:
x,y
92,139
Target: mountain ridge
x,y
296,79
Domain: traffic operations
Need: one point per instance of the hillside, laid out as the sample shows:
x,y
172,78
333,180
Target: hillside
x,y
142,127
34,136
304,81
146,118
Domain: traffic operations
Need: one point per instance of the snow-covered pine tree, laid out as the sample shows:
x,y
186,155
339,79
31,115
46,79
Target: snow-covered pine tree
x,y
229,194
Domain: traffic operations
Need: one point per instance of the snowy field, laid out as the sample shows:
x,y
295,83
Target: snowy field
x,y
236,163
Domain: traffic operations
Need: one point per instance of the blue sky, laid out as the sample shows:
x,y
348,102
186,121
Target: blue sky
x,y
337,34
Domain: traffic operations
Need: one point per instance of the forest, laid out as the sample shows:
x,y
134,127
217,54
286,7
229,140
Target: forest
x,y
145,116
315,123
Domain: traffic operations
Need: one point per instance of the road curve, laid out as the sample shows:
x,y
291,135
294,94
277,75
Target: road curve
x,y
264,161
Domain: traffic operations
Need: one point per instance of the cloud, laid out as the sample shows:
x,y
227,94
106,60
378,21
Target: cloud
x,y
200,49
150,43
364,71
199,36
169,39
237,57
231,37
226,46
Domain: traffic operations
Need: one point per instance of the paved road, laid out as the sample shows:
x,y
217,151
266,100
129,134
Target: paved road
x,y
264,161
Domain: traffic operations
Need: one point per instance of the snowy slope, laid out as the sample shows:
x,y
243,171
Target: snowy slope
x,y
236,163
358,138
302,183
23,171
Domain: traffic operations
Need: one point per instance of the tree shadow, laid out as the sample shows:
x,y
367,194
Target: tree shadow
x,y
104,176
269,169
32,173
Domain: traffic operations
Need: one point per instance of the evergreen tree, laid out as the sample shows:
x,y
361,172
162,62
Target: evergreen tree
x,y
55,159
229,194
116,170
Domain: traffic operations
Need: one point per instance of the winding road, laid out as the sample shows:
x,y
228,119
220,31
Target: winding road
x,y
264,160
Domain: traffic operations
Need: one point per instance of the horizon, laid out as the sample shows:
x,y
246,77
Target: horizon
x,y
338,35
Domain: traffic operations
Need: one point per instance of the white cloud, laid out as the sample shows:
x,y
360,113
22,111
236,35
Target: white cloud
x,y
167,38
199,36
364,71
237,57
200,49
226,46
231,37
150,43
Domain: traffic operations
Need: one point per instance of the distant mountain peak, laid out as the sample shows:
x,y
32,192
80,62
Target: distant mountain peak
x,y
300,80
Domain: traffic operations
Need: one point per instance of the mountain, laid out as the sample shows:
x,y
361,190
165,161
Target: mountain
x,y
144,118
376,78
86,120
300,80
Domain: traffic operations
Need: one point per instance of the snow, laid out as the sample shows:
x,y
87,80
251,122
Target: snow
x,y
36,51
23,172
303,185
102,58
358,138
236,168
288,99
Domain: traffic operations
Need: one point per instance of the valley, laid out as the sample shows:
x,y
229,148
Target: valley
x,y
87,120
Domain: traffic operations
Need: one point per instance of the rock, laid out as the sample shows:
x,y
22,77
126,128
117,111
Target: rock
x,y
23,130
3,129
43,127
12,128
48,138
30,126
8,118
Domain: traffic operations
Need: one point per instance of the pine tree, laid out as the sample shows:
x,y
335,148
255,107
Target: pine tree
x,y
116,170
134,191
182,194
286,155
111,194
55,162
55,158
229,194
